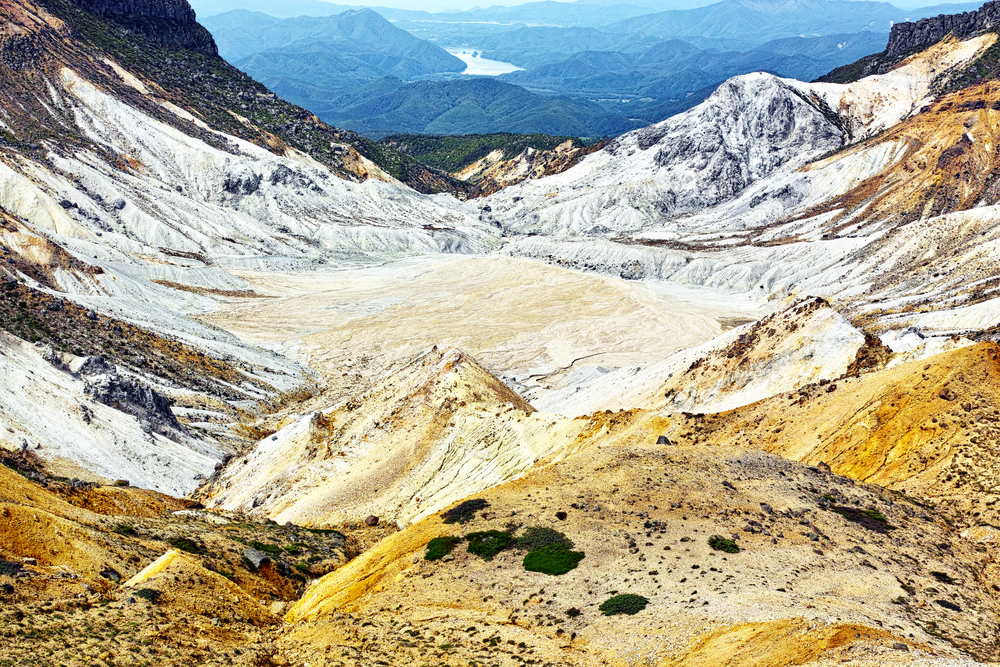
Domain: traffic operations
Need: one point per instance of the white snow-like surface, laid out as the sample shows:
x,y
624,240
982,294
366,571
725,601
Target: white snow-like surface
x,y
44,409
804,348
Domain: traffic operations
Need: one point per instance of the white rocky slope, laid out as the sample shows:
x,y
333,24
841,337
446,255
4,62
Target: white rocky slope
x,y
783,231
436,431
54,413
752,127
800,345
117,227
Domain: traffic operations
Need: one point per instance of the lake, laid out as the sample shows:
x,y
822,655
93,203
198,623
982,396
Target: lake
x,y
479,65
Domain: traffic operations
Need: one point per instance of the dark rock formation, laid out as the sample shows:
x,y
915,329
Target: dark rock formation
x,y
256,558
166,23
906,38
132,396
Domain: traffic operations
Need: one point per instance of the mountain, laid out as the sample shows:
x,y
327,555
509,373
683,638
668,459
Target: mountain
x,y
722,392
871,569
774,19
140,168
475,106
673,75
361,37
494,161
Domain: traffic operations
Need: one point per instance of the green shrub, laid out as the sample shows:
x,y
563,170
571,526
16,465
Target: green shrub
x,y
943,577
302,567
266,548
626,603
440,547
536,537
190,546
871,519
554,559
488,544
465,512
125,529
720,543
150,594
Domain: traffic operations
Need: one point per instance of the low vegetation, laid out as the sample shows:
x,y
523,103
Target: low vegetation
x,y
465,511
454,153
626,603
487,544
871,519
440,547
554,559
720,543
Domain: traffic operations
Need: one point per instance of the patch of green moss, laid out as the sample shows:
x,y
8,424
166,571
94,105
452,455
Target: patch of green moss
x,y
440,547
554,559
627,603
489,543
720,543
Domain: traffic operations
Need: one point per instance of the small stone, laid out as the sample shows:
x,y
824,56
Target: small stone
x,y
257,558
371,520
561,516
900,646
663,440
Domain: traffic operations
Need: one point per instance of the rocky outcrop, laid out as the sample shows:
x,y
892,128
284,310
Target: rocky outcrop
x,y
167,23
131,396
906,38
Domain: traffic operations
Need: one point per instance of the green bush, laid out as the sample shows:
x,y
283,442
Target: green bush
x,y
535,538
190,546
440,547
871,519
150,594
720,543
943,577
266,548
465,512
488,544
125,529
626,603
554,559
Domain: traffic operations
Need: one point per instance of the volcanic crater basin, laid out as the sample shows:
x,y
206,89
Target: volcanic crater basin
x,y
538,327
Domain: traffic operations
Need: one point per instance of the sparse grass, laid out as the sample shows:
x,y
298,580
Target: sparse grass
x,y
627,603
871,519
188,545
150,594
537,537
265,547
943,577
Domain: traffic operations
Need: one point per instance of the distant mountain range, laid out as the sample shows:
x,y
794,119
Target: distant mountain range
x,y
773,19
380,70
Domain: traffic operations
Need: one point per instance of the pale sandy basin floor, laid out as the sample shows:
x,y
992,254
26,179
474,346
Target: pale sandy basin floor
x,y
522,319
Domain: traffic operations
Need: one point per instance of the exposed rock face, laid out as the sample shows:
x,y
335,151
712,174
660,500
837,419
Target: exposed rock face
x,y
134,397
806,343
749,127
907,37
166,23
